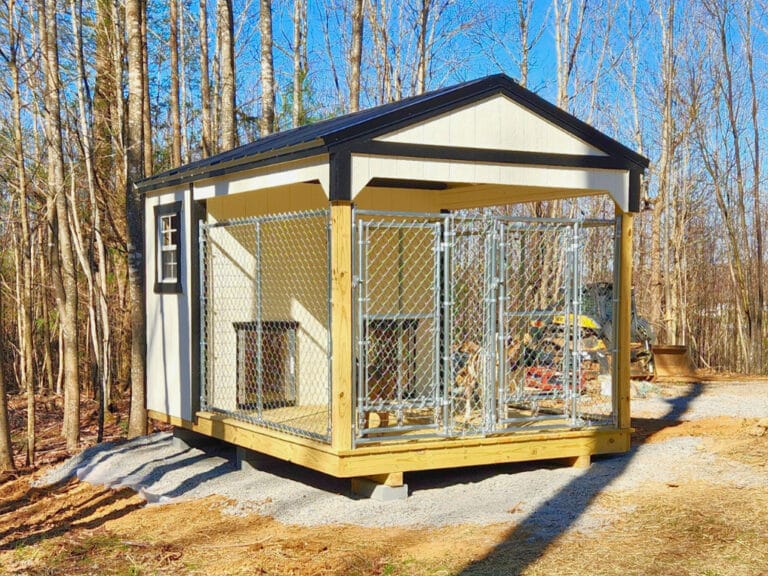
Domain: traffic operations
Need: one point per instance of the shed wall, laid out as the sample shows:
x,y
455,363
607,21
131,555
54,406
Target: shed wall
x,y
169,388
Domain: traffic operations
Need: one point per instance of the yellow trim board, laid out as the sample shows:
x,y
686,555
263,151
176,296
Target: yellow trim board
x,y
407,456
303,451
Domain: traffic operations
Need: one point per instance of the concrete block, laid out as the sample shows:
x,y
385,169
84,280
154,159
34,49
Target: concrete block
x,y
367,488
248,460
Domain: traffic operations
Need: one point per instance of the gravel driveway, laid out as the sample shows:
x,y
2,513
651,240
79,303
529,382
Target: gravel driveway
x,y
546,497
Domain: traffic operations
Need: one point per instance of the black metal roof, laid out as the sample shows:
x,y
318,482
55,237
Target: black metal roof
x,y
352,130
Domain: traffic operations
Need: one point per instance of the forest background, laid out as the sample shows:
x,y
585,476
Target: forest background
x,y
97,94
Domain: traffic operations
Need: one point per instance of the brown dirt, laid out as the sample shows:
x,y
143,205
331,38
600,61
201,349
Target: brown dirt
x,y
50,448
690,528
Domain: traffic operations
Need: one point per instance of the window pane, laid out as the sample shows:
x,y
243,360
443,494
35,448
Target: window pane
x,y
168,247
169,265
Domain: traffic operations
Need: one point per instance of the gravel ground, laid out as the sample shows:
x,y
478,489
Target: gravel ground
x,y
694,401
543,498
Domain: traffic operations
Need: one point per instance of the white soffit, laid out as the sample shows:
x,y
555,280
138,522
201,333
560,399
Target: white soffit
x,y
268,177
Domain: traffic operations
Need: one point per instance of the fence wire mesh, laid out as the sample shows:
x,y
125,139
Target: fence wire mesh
x,y
265,314
398,323
473,324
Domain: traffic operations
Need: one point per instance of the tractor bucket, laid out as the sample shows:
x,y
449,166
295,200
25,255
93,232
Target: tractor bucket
x,y
673,362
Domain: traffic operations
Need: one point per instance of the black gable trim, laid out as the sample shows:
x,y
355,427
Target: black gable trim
x,y
521,157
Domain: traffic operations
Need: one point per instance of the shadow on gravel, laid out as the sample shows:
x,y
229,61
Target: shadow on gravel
x,y
300,474
529,540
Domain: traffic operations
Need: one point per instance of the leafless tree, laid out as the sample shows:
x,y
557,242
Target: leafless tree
x,y
267,123
65,277
175,108
208,139
134,14
355,54
226,60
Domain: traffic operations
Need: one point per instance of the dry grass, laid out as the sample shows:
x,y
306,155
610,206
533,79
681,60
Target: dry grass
x,y
690,528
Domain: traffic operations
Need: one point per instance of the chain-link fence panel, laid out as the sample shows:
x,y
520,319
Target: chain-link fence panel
x,y
470,324
398,325
265,314
540,374
472,292
598,242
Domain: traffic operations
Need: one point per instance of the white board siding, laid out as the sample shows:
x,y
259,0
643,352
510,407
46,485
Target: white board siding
x,y
497,123
168,332
577,181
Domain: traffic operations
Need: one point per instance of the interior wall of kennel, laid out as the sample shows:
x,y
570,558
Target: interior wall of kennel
x,y
479,144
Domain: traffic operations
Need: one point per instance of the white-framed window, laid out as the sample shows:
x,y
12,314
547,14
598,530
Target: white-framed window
x,y
168,226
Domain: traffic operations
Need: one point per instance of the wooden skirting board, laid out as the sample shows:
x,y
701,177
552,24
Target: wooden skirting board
x,y
408,456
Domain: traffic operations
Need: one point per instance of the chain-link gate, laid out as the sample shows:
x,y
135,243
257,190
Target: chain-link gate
x,y
471,325
265,313
398,320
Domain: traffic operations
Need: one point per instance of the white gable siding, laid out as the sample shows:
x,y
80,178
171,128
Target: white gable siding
x,y
497,123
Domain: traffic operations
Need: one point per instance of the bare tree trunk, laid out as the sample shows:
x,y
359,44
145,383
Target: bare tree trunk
x,y
46,328
227,65
103,96
134,15
524,11
146,137
757,340
567,48
738,229
185,156
355,55
6,448
95,267
660,316
421,71
379,20
299,61
329,44
267,125
67,268
205,83
173,44
24,279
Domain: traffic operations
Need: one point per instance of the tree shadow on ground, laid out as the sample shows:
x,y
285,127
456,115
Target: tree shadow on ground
x,y
530,539
68,517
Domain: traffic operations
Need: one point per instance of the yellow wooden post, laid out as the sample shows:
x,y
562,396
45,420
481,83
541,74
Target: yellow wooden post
x,y
341,325
625,318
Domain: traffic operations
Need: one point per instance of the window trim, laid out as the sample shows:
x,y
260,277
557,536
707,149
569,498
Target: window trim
x,y
168,286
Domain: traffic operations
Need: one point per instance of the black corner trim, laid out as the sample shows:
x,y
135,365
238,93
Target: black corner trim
x,y
165,210
635,190
198,212
341,175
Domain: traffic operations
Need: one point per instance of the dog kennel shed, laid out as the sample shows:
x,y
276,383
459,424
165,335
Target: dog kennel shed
x,y
349,296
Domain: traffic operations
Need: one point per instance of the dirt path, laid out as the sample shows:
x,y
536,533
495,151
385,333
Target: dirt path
x,y
706,520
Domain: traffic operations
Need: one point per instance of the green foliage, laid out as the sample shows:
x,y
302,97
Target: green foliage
x,y
310,106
